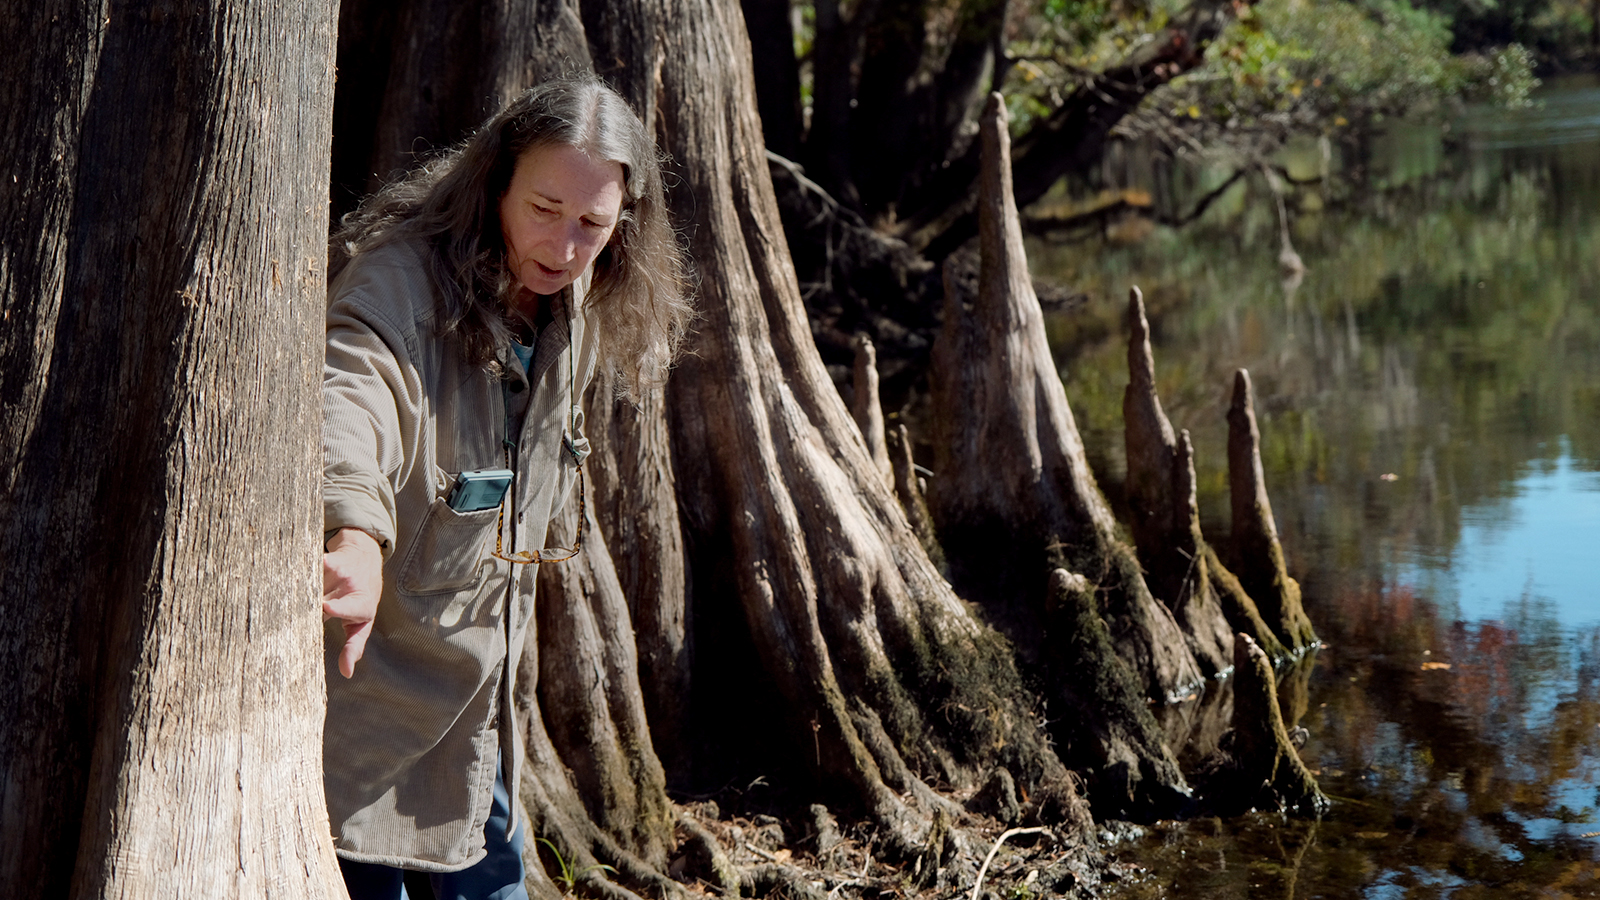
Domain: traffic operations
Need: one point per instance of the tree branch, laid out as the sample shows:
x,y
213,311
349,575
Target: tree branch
x,y
1070,139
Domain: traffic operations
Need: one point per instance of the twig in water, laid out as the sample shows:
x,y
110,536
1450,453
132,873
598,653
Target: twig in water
x,y
1009,833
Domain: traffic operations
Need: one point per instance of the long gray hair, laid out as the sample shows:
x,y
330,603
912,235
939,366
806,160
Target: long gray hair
x,y
638,297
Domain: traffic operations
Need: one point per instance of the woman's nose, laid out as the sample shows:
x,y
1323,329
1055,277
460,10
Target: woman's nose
x,y
568,241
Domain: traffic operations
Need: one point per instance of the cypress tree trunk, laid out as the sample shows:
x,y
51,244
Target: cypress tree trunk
x,y
1013,494
1205,598
161,293
797,545
1258,556
594,788
636,507
1014,499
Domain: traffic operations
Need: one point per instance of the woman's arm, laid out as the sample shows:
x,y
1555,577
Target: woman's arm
x,y
370,397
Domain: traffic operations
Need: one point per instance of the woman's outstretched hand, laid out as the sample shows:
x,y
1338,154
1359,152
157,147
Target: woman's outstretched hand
x,y
352,581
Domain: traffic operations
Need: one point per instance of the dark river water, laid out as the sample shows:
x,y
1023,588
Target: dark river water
x,y
1429,399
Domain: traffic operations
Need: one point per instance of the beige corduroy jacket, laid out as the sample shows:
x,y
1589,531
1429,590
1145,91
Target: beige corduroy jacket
x,y
411,742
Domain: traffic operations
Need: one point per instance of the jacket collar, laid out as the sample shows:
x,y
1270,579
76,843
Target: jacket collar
x,y
552,341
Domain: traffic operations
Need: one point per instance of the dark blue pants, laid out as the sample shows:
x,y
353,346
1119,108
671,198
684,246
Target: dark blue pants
x,y
497,876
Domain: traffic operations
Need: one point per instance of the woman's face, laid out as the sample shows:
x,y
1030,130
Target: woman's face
x,y
557,214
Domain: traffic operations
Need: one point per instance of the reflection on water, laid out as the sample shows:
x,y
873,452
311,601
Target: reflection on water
x,y
1567,115
1534,543
1429,396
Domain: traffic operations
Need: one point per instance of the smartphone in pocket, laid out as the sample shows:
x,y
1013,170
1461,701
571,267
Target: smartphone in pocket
x,y
480,489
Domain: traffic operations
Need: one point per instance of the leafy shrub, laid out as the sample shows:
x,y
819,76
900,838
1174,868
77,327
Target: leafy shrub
x,y
1294,62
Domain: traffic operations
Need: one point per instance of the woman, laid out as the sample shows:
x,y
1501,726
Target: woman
x,y
471,304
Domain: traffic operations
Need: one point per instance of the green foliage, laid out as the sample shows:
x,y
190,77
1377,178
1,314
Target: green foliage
x,y
1020,892
1308,63
1560,31
567,876
1565,27
1056,43
1301,62
1504,77
805,37
1078,22
1331,61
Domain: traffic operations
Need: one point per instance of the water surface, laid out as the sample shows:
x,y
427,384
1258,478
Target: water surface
x,y
1429,400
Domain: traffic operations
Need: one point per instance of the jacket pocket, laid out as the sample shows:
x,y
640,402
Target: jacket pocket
x,y
450,551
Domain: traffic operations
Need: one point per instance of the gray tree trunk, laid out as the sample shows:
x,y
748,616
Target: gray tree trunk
x,y
1258,557
161,292
593,785
636,505
790,527
1205,598
1012,489
1014,498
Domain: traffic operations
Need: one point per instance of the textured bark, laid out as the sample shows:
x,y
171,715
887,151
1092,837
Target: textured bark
x,y
867,408
908,487
1195,727
1113,739
635,504
558,814
161,296
855,632
1242,612
1165,517
706,860
1180,566
587,675
1014,496
1258,555
593,786
1259,768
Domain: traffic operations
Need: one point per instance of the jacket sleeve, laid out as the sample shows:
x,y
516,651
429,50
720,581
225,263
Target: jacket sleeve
x,y
368,387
